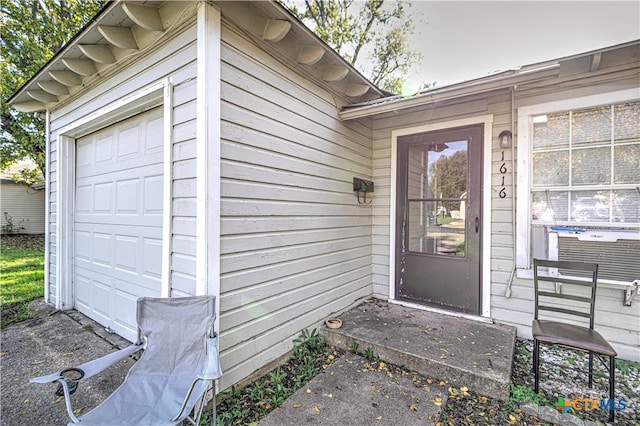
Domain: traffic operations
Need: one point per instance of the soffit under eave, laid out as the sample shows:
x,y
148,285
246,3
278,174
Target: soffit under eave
x,y
283,36
120,31
124,29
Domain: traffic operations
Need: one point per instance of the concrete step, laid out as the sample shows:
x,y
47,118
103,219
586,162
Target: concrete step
x,y
464,352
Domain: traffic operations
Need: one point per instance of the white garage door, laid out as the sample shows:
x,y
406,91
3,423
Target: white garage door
x,y
118,220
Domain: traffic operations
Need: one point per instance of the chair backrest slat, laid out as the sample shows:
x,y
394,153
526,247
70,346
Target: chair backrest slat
x,y
567,274
564,311
564,296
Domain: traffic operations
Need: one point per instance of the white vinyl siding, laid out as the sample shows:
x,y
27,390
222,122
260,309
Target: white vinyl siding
x,y
176,59
295,244
620,324
24,207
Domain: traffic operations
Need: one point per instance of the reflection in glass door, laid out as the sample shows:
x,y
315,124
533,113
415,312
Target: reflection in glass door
x,y
436,197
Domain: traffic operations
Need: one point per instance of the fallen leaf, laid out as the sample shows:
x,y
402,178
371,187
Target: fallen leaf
x,y
413,407
512,419
59,399
379,418
330,395
297,405
77,411
429,381
26,401
37,362
464,389
3,353
373,388
442,383
316,409
308,390
381,366
437,401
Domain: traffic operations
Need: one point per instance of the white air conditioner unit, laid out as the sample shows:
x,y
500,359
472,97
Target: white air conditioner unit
x,y
616,252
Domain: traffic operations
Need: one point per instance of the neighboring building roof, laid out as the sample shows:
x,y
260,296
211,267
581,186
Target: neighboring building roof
x,y
8,174
122,30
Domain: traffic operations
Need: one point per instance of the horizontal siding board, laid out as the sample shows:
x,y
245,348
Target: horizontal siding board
x,y
243,243
250,225
255,173
247,278
259,191
237,299
260,258
299,127
243,359
240,207
247,313
274,153
293,236
23,206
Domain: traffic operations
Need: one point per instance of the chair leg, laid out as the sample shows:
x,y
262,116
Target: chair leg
x,y
536,363
590,370
612,388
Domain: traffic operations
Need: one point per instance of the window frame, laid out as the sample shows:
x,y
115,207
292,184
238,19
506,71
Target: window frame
x,y
525,162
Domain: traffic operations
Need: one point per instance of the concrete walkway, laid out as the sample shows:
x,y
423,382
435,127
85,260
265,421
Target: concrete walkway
x,y
49,343
445,350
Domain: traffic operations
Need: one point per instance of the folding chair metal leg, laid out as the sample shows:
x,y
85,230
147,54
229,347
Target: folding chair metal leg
x,y
536,363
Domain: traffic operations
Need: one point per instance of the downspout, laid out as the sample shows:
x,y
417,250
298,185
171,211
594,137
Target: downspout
x,y
507,292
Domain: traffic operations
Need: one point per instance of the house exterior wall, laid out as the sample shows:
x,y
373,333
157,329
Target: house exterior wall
x,y
174,58
295,244
24,207
620,324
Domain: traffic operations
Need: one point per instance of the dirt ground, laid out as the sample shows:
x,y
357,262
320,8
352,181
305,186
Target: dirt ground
x,y
23,241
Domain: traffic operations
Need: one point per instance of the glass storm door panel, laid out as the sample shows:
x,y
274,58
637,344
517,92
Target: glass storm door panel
x,y
438,257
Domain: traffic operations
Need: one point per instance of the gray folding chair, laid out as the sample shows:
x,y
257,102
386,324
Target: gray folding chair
x,y
178,363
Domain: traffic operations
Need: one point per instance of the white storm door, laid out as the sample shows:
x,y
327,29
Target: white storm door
x,y
118,220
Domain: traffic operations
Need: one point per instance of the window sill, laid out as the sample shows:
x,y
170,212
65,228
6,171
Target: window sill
x,y
616,285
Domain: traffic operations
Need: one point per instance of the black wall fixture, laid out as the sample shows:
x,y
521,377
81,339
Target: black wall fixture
x,y
362,186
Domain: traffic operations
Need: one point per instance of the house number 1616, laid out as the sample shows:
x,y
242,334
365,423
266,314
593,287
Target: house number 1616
x,y
503,171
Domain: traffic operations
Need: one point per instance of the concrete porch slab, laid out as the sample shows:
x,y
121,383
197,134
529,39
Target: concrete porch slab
x,y
464,352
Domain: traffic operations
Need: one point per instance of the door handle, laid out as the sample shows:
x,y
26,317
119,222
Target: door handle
x,y
477,224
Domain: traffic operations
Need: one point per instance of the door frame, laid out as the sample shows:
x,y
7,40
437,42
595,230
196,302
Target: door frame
x,y
485,267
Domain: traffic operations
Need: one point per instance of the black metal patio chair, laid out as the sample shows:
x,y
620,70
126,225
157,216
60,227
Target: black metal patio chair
x,y
570,293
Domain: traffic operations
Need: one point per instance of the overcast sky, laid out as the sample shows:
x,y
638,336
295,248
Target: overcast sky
x,y
461,40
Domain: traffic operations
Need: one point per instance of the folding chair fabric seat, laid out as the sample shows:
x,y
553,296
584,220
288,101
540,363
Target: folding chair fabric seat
x,y
178,363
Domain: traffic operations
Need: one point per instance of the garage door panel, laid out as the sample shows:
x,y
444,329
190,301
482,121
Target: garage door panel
x,y
118,219
153,186
127,196
102,199
125,311
152,250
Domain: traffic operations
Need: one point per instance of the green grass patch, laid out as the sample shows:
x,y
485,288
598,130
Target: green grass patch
x,y
22,282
